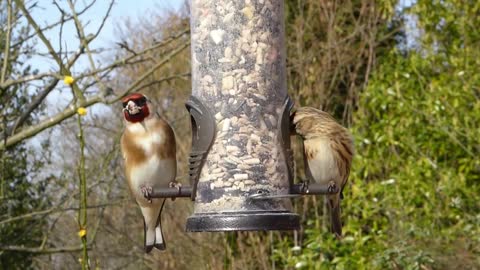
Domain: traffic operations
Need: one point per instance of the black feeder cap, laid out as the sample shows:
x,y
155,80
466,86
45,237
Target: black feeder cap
x,y
243,221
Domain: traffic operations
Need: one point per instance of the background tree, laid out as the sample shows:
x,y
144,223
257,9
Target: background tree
x,y
412,199
21,186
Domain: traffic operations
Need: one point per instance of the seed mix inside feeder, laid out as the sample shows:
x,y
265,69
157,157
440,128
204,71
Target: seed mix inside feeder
x,y
238,75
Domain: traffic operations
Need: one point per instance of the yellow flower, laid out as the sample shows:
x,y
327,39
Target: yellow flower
x,y
82,233
82,111
68,80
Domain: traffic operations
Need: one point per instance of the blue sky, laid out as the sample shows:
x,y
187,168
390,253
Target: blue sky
x,y
123,9
47,13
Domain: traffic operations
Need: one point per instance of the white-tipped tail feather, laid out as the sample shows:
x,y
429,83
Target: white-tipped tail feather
x,y
152,226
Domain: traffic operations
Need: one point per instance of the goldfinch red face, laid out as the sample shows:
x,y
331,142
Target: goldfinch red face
x,y
135,107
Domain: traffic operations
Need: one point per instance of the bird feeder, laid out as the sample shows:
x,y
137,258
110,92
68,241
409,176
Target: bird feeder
x,y
240,165
238,75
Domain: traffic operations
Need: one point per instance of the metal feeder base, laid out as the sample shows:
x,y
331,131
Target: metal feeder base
x,y
243,221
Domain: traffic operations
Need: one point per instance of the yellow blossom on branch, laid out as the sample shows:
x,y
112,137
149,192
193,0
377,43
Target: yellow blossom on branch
x,y
82,111
68,80
82,233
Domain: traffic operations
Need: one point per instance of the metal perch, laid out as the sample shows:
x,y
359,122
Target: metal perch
x,y
297,190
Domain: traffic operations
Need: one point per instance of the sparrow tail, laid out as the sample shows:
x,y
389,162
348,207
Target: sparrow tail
x,y
335,217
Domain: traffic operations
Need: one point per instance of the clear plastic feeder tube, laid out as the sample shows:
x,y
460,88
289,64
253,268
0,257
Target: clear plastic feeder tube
x,y
239,73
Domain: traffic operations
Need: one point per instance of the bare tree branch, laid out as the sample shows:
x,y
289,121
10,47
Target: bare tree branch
x,y
7,42
69,112
126,60
64,70
179,76
56,210
84,40
42,250
28,78
37,100
53,25
134,86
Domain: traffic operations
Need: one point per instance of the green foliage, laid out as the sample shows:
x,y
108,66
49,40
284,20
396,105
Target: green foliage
x,y
412,202
21,196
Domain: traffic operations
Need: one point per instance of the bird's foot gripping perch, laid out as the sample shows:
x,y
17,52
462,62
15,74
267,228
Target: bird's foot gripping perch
x,y
177,185
147,193
332,187
304,187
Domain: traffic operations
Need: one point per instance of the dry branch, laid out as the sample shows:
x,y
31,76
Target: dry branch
x,y
42,250
69,112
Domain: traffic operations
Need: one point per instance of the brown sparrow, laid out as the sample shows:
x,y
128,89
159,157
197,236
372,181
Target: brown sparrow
x,y
148,148
328,151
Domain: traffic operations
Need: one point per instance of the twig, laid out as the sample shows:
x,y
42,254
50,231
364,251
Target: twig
x,y
64,70
56,210
51,26
58,118
124,45
42,251
126,60
134,86
7,42
69,112
82,211
179,76
85,40
40,97
28,78
37,100
105,166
